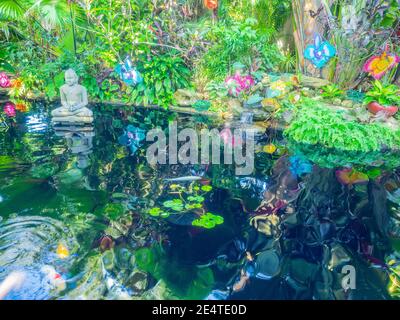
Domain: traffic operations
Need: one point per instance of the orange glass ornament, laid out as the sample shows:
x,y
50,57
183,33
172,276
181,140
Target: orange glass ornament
x,y
211,4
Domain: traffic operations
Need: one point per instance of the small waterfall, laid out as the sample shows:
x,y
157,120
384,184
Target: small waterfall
x,y
247,117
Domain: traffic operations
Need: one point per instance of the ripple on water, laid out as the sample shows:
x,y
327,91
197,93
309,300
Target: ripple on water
x,y
37,123
28,244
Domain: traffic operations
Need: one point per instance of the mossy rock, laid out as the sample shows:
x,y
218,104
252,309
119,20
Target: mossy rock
x,y
332,136
43,171
71,176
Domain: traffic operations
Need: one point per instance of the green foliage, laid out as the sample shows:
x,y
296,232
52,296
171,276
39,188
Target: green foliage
x,y
385,95
390,16
270,14
328,137
11,9
238,42
332,91
217,90
163,75
288,62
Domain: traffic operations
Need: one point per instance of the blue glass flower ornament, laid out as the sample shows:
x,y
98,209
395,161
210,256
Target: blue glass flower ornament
x,y
299,165
128,73
132,138
320,52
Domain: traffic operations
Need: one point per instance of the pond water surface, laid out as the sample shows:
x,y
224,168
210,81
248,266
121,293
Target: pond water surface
x,y
74,217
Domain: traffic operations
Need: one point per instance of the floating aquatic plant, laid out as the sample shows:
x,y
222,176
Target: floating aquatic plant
x,y
208,221
190,200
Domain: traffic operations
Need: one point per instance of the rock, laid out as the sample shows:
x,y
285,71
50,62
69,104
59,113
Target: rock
x,y
312,82
270,104
119,228
254,101
72,119
187,98
267,265
123,258
259,115
347,103
235,106
337,101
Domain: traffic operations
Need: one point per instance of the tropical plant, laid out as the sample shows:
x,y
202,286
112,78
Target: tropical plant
x,y
163,75
217,90
332,138
331,91
238,42
358,29
384,94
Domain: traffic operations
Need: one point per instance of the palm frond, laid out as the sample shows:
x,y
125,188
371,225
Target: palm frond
x,y
52,13
11,9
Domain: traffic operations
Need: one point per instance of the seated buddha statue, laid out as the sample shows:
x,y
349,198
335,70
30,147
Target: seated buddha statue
x,y
73,102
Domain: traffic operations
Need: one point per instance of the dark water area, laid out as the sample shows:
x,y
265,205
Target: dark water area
x,y
74,217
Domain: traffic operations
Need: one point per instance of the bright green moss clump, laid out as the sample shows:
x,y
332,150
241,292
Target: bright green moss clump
x,y
333,136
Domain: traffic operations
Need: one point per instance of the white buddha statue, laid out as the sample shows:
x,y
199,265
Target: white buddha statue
x,y
73,102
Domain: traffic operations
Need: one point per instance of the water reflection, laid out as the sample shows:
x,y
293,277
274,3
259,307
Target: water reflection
x,y
306,227
79,140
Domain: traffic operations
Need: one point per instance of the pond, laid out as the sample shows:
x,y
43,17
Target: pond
x,y
83,218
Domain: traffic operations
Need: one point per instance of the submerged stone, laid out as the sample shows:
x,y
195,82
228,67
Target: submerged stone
x,y
69,177
267,265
